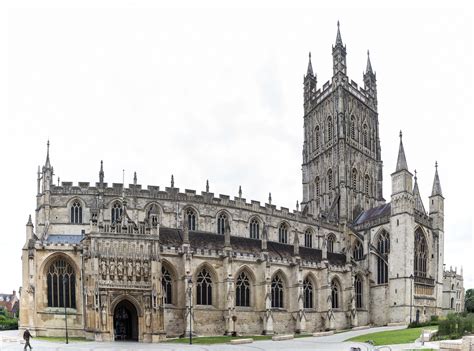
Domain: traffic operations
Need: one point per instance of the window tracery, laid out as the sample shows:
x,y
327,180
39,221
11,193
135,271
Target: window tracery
x,y
61,284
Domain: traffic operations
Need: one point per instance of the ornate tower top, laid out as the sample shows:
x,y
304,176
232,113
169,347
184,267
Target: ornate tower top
x,y
436,183
339,55
401,161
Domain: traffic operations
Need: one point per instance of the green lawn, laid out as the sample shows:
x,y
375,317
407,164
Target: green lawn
x,y
209,340
57,339
392,337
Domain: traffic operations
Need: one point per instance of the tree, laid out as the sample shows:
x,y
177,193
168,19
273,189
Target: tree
x,y
469,300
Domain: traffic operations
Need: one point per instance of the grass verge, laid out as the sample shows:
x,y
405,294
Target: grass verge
x,y
392,337
210,340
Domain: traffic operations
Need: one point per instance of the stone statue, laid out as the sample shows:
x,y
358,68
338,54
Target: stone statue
x,y
130,269
120,269
146,270
112,269
103,269
148,318
104,316
138,269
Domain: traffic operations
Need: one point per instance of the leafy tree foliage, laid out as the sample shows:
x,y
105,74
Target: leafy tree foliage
x,y
469,300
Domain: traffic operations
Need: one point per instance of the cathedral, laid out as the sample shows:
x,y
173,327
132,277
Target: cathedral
x,y
132,263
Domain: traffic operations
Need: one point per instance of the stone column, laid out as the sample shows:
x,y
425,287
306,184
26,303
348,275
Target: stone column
x,y
268,317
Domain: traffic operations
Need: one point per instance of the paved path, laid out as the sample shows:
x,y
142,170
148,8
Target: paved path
x,y
325,343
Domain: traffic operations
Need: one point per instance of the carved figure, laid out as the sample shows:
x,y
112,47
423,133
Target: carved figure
x,y
104,316
130,269
146,270
138,269
112,269
148,318
103,269
120,269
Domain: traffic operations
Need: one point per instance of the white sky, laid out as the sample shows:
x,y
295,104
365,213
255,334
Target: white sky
x,y
216,93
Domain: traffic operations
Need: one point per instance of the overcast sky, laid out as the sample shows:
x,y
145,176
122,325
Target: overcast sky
x,y
216,93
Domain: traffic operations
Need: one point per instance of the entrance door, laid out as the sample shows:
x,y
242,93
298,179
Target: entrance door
x,y
126,321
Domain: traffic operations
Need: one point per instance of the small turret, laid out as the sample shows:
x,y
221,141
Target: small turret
x,y
29,229
401,179
101,173
48,172
370,80
437,202
416,194
339,55
310,82
296,244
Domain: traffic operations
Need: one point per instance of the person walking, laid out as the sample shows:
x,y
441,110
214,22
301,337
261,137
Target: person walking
x,y
27,335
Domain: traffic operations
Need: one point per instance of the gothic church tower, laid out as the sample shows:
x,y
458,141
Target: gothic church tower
x,y
342,166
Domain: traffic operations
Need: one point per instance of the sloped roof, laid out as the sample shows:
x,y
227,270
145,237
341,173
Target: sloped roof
x,y
373,213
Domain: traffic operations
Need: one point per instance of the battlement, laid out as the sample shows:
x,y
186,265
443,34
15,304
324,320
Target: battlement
x,y
352,87
153,192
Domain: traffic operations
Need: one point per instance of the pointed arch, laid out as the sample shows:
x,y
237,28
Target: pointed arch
x,y
168,282
382,243
76,206
244,286
116,210
309,291
308,237
60,276
278,288
354,179
421,253
191,217
129,298
205,278
365,135
317,139
330,179
359,290
331,242
336,293
317,185
283,230
352,128
330,129
358,250
255,225
223,220
153,211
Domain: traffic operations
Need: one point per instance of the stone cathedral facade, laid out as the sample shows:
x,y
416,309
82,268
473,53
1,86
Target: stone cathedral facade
x,y
133,263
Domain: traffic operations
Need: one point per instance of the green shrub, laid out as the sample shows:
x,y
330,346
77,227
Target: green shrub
x,y
456,325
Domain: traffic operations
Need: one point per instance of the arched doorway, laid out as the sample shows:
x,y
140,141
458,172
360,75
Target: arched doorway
x,y
125,321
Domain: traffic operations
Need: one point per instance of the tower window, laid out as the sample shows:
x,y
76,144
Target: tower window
x,y
153,215
366,184
358,291
204,288
254,228
242,290
308,294
277,292
316,137
365,135
383,247
221,223
116,212
61,284
421,253
283,233
352,128
317,185
191,219
76,213
330,179
308,238
354,179
329,130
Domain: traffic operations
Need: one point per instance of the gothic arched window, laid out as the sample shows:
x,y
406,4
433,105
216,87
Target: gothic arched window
x,y
308,294
421,253
61,283
283,233
308,238
116,211
152,215
354,179
330,179
383,247
167,284
221,223
316,137
204,288
330,130
358,291
358,252
242,290
76,212
277,292
335,294
191,219
366,184
254,229
365,135
331,241
317,185
352,127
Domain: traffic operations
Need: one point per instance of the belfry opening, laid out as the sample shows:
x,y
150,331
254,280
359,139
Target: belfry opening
x,y
125,322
